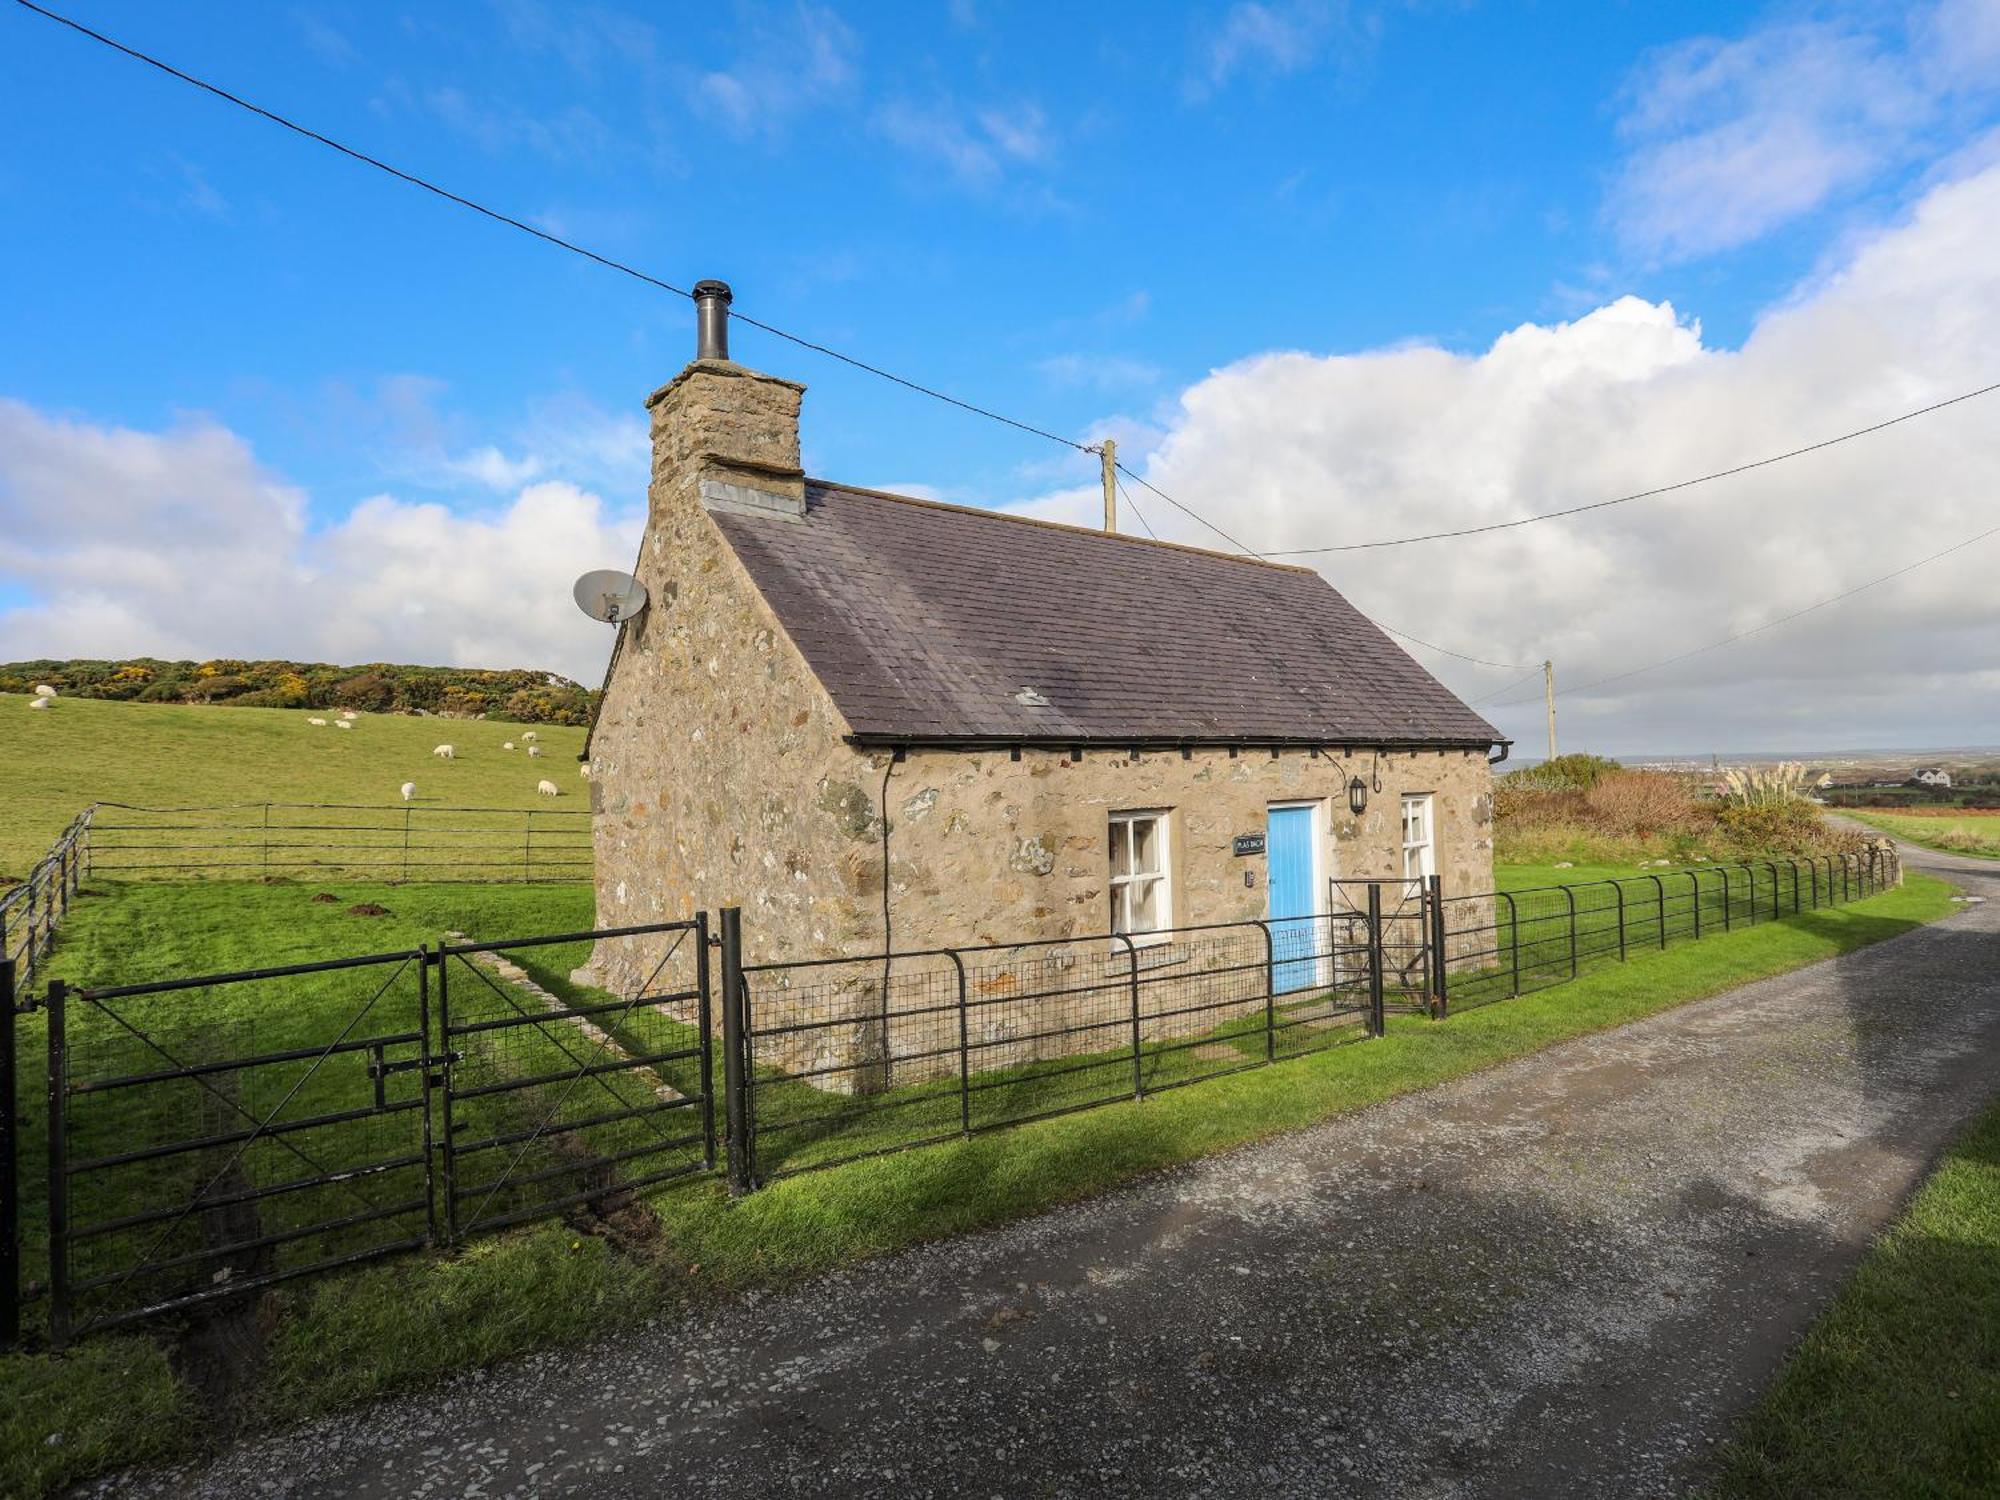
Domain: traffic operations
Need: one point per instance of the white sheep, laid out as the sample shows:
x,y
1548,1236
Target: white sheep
x,y
38,702
530,736
317,723
548,789
444,752
509,745
342,724
584,772
43,690
348,713
409,791
534,749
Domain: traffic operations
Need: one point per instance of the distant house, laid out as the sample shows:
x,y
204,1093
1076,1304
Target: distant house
x,y
870,719
1932,776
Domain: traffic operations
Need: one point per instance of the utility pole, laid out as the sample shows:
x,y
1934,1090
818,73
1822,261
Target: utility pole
x,y
1109,453
1549,697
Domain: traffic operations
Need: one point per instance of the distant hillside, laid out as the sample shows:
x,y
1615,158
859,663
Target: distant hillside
x,y
377,687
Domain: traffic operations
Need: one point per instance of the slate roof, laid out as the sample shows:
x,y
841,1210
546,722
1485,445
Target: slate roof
x,y
933,623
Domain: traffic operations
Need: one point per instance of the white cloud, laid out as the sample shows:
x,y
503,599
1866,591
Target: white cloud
x,y
978,149
180,543
1732,138
1101,372
791,63
1293,449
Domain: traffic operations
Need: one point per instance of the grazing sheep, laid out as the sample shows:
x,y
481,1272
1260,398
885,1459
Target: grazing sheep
x,y
444,752
530,736
508,746
348,713
584,772
43,690
317,723
38,702
342,724
409,791
548,789
534,749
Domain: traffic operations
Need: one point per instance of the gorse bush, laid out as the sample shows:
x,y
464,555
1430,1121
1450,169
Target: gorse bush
x,y
1566,773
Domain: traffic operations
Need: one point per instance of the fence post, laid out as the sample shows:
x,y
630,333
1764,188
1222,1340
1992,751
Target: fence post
x,y
10,1165
1569,894
1377,1022
426,1070
1619,887
1138,1058
58,1120
1694,880
449,1144
1660,905
704,988
528,848
1795,885
964,1049
1726,898
1440,991
1514,933
734,1113
406,843
267,841
1271,988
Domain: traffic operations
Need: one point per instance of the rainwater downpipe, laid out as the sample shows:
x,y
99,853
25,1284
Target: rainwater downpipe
x,y
888,939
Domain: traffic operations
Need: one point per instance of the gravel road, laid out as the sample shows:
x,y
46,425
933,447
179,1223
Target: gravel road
x,y
1565,1276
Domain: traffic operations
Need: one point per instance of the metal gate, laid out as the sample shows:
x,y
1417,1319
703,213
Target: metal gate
x,y
1391,931
547,1103
214,1135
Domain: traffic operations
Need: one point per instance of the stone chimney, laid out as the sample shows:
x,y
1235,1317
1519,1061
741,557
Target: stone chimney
x,y
726,437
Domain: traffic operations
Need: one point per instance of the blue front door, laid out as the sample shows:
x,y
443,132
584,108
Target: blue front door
x,y
1294,898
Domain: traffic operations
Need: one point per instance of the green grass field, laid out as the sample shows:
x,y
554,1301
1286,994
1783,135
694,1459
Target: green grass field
x,y
357,1335
1896,1390
56,761
1955,832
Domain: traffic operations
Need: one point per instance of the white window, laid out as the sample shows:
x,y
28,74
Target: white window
x,y
1141,894
1419,857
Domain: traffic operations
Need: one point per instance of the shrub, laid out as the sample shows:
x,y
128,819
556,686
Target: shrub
x,y
1566,773
1767,786
1641,802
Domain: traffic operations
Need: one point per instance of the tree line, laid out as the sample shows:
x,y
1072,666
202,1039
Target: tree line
x,y
377,687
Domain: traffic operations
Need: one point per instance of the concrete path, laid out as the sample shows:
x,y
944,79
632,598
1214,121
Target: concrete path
x,y
1567,1276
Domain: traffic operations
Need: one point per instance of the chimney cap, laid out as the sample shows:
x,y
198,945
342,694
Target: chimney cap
x,y
713,289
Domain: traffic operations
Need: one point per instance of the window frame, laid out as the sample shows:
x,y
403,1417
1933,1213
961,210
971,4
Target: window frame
x,y
1427,864
1119,883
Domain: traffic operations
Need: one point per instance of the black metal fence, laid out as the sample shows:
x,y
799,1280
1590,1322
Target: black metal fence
x,y
259,840
215,1135
33,907
1507,943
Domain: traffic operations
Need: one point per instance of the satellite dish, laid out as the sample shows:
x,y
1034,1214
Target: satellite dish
x,y
609,595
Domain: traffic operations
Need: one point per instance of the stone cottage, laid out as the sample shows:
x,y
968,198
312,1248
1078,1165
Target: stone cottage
x,y
877,721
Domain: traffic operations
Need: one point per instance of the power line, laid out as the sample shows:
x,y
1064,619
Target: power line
x,y
608,262
1477,661
1665,489
1536,671
1184,510
1716,645
1132,506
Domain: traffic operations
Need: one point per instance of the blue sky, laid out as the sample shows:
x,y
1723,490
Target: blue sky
x,y
1073,214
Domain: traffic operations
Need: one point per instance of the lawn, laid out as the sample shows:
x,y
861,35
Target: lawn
x,y
361,1334
1896,1390
1956,830
55,762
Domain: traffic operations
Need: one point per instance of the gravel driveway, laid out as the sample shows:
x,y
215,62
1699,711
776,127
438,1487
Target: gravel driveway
x,y
1564,1276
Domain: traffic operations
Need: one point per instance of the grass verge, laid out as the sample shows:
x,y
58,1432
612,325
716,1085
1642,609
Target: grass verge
x,y
1896,1390
1969,832
366,1334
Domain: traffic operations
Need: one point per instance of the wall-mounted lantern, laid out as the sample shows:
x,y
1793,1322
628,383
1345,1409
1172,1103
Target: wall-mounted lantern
x,y
1357,796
